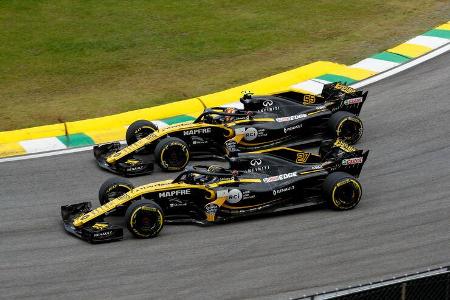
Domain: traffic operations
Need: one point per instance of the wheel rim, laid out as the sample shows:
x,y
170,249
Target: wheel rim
x,y
175,156
347,195
146,221
349,131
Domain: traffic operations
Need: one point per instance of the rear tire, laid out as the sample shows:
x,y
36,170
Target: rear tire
x,y
144,219
139,130
346,126
342,191
172,154
112,188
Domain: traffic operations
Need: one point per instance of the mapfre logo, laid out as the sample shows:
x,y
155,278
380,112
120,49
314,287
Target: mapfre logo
x,y
174,193
197,131
267,103
255,162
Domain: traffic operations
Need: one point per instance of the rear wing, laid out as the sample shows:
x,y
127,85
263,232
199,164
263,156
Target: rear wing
x,y
338,95
339,156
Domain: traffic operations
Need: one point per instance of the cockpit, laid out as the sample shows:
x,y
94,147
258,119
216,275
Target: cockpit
x,y
221,115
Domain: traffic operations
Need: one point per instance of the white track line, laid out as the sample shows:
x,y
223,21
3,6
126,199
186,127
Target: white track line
x,y
359,84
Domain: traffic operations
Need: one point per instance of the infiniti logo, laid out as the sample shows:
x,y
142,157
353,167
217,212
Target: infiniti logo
x,y
255,162
268,103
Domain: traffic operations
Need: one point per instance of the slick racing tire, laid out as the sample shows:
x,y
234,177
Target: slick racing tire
x,y
112,188
144,219
346,126
172,154
342,191
139,130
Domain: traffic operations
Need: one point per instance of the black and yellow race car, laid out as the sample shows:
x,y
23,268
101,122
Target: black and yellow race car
x,y
264,122
255,183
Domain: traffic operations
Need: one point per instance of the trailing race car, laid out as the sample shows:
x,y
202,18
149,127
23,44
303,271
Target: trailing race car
x,y
280,179
265,122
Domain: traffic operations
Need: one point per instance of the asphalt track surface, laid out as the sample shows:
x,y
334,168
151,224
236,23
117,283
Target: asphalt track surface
x,y
401,225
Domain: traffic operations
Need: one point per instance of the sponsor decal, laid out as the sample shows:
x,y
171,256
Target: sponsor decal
x,y
211,208
258,169
177,203
280,177
231,145
248,195
283,190
320,107
302,157
267,103
262,132
103,234
291,118
255,162
197,131
316,167
344,146
352,161
353,101
292,128
250,134
199,142
234,196
344,88
130,169
268,106
269,109
174,193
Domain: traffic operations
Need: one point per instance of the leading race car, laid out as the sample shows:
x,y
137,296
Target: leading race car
x,y
265,122
280,179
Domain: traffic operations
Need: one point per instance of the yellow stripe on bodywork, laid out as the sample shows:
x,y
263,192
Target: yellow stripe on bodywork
x,y
245,180
410,50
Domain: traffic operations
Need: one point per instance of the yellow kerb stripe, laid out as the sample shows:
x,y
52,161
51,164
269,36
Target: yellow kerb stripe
x,y
353,73
106,136
11,149
444,26
410,50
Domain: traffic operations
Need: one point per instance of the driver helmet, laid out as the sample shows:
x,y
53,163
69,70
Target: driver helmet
x,y
229,110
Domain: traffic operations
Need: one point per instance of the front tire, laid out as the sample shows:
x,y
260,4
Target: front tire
x,y
342,191
346,126
111,189
144,219
172,154
139,130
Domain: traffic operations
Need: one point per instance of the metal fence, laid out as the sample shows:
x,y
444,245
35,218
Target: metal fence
x,y
427,285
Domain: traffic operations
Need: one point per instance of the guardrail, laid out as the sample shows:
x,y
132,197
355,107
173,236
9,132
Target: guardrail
x,y
430,284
